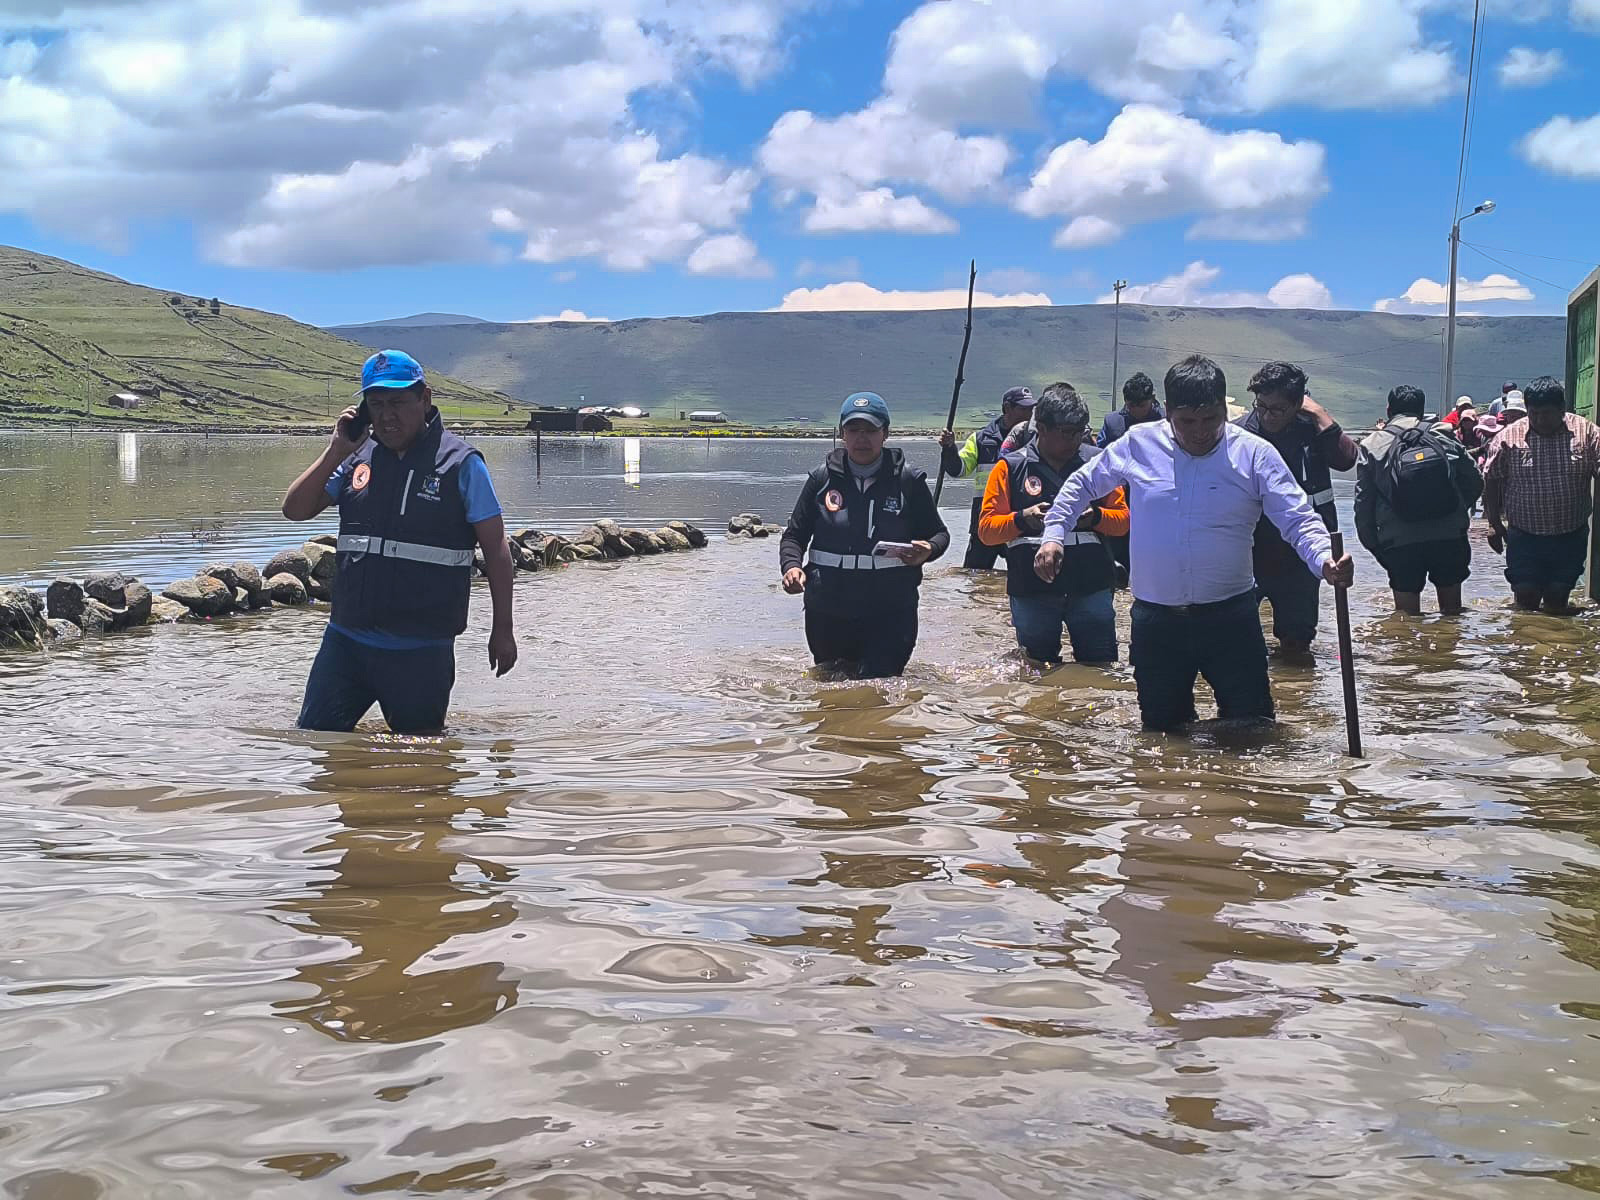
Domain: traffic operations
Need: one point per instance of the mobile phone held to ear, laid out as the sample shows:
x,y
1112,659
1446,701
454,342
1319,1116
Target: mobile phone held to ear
x,y
356,427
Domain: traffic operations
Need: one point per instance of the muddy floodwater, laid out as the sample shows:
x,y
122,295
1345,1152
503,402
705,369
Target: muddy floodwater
x,y
663,916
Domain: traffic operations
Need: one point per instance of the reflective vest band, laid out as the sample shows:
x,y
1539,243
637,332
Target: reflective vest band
x,y
351,543
1320,498
1077,537
854,562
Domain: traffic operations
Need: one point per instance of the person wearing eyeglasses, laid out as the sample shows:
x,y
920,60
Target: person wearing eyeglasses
x,y
1313,445
414,502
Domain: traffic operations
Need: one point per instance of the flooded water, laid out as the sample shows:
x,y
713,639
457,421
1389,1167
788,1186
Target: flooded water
x,y
663,916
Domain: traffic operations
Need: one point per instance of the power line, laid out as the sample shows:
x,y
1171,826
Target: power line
x,y
1582,262
1565,287
1466,110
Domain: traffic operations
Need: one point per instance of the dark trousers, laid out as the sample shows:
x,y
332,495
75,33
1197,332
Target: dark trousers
x,y
1295,595
979,557
1546,562
1221,641
412,687
871,645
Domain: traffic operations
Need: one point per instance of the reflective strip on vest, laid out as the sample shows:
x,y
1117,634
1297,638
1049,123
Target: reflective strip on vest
x,y
1320,498
352,543
1077,537
854,562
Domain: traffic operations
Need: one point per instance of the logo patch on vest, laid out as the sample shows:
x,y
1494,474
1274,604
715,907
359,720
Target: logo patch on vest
x,y
360,477
892,505
1033,485
429,489
833,501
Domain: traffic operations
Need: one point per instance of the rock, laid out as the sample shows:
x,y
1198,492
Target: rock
x,y
695,538
608,528
657,546
591,536
291,562
319,589
747,525
586,552
641,542
138,608
241,600
549,547
64,600
672,539
223,573
569,553
522,558
204,595
165,612
22,620
100,618
63,631
248,577
285,588
324,539
107,587
324,561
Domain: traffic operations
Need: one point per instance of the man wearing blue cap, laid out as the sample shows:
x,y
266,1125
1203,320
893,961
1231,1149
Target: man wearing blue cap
x,y
859,534
414,501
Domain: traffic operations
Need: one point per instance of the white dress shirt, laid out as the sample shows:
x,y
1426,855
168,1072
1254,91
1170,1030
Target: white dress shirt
x,y
1193,520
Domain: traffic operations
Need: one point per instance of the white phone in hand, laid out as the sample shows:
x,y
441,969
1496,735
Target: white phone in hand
x,y
891,549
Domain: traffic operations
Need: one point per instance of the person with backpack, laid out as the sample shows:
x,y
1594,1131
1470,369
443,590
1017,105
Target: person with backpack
x,y
1415,488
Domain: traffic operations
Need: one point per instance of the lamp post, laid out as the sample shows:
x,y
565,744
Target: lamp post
x,y
1450,317
1116,336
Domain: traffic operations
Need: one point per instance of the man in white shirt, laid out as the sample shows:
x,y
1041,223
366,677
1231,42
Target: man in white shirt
x,y
1196,488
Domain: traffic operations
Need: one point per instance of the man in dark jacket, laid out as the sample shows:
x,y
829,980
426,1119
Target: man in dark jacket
x,y
856,541
414,500
1313,445
977,457
1139,404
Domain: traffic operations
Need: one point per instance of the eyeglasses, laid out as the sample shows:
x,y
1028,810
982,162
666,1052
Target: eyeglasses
x,y
1275,410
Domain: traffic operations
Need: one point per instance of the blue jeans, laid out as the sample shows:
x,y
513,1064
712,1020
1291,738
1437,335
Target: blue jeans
x,y
1295,595
1221,641
412,687
1090,620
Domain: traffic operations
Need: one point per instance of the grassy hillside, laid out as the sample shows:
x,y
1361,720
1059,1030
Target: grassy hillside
x,y
778,368
71,336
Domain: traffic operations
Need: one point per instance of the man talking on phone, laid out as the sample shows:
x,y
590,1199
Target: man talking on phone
x,y
414,501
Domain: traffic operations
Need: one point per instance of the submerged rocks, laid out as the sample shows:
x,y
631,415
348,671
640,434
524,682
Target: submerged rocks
x,y
671,539
64,600
288,562
693,536
749,525
63,631
324,560
22,620
584,552
286,588
107,587
165,612
204,595
137,609
99,618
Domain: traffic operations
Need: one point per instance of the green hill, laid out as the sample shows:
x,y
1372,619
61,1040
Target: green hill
x,y
71,338
783,368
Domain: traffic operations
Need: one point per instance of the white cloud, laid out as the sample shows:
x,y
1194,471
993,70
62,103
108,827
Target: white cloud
x,y
732,255
1565,146
1191,288
1153,165
1429,295
1083,232
334,135
856,296
876,211
1530,68
1586,14
566,314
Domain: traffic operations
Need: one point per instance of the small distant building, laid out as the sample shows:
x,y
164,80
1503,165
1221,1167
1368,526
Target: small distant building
x,y
709,416
567,420
126,400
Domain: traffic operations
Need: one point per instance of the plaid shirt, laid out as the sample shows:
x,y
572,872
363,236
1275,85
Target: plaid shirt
x,y
1542,484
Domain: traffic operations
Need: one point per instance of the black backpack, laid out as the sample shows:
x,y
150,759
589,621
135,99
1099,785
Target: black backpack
x,y
1421,476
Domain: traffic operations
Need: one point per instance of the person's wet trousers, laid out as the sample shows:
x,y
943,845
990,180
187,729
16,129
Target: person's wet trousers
x,y
1223,642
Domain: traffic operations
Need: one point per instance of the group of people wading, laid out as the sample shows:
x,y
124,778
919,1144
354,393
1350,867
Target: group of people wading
x,y
1208,517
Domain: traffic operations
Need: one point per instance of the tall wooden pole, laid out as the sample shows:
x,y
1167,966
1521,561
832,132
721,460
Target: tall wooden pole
x,y
961,366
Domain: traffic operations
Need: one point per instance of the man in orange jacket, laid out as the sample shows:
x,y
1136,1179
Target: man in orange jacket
x,y
1021,488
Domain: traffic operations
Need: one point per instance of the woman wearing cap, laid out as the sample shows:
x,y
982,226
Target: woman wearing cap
x,y
864,525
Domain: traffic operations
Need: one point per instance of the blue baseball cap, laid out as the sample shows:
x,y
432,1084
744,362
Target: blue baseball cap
x,y
390,369
865,406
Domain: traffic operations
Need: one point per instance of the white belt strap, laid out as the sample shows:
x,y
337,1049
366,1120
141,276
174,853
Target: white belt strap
x,y
854,562
1076,537
1323,497
351,543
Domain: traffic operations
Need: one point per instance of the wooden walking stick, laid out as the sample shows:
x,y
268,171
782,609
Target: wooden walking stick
x,y
1347,662
961,365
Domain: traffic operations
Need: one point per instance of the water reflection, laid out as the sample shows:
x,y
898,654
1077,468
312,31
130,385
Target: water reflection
x,y
128,457
400,890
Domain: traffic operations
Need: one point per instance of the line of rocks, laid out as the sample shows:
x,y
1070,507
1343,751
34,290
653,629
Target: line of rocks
x,y
109,601
751,525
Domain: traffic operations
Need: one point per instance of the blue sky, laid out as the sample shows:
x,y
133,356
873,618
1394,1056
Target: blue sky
x,y
515,159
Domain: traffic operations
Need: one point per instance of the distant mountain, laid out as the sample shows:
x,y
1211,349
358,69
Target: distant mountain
x,y
780,368
428,318
71,338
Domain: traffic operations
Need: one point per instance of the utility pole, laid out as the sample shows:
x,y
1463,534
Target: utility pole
x,y
1116,336
1449,398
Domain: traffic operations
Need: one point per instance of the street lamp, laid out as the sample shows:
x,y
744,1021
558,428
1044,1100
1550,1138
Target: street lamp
x,y
1450,317
1116,337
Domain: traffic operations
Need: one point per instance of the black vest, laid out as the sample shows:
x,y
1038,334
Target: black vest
x,y
849,522
1117,423
405,548
1085,559
989,440
1309,466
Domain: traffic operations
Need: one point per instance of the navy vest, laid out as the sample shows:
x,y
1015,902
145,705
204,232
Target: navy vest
x,y
1301,448
1117,425
405,548
989,440
841,574
1085,559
